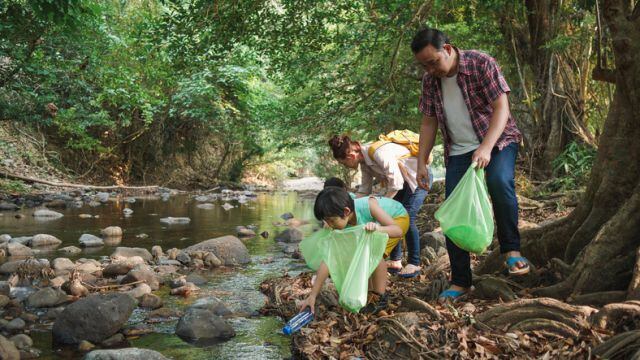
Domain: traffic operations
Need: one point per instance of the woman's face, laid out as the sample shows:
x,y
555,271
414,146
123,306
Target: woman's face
x,y
352,160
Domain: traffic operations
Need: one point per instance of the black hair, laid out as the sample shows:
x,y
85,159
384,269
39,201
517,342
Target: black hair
x,y
426,37
331,201
334,181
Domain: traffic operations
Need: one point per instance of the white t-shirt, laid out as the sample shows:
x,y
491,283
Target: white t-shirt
x,y
459,128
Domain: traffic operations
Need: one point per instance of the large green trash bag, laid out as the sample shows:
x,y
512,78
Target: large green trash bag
x,y
466,216
351,255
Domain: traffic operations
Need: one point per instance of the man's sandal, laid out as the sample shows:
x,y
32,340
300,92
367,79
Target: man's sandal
x,y
512,263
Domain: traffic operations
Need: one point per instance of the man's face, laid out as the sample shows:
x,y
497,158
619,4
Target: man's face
x,y
437,63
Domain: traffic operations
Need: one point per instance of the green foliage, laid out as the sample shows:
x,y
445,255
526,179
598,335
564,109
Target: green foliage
x,y
12,186
573,167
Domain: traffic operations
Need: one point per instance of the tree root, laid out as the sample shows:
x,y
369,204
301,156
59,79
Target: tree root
x,y
410,303
561,267
633,292
526,310
69,185
621,346
599,299
618,317
546,326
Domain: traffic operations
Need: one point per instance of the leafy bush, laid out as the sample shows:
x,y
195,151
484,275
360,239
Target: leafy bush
x,y
572,168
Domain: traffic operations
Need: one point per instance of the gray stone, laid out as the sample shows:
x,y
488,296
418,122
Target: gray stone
x,y
113,341
433,239
142,275
290,235
126,252
15,325
139,291
24,240
47,297
45,240
125,354
56,204
213,304
156,252
53,313
5,238
116,269
111,231
242,231
151,301
17,249
5,206
21,341
46,213
202,327
4,300
183,258
5,288
88,240
62,265
492,288
229,249
205,206
94,318
88,267
175,220
8,350
70,250
196,279
286,216
103,197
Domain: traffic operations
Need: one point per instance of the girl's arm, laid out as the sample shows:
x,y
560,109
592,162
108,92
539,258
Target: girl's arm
x,y
387,225
321,275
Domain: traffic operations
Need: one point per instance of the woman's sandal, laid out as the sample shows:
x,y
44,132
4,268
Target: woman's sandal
x,y
512,262
451,295
411,274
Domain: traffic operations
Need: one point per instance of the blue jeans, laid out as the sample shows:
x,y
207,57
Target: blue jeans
x,y
500,175
412,201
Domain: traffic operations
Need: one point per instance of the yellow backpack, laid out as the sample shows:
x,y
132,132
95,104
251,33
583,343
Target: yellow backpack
x,y
406,138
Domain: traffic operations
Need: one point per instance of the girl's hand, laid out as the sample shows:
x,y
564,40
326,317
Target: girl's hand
x,y
371,226
309,302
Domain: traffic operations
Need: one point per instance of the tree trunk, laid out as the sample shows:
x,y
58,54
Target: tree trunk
x,y
601,236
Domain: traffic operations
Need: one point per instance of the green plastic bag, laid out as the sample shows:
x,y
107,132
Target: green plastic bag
x,y
466,217
351,255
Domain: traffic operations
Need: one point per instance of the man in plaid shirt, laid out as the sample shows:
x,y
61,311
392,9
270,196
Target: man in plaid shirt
x,y
465,95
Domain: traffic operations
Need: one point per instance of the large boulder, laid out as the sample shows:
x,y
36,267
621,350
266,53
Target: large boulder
x,y
47,297
45,240
6,206
88,240
94,318
229,249
47,214
127,252
213,304
290,235
125,354
203,327
8,350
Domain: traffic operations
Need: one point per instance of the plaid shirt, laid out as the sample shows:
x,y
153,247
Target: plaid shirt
x,y
481,83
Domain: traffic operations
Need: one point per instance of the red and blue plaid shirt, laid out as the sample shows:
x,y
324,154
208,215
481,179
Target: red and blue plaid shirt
x,y
481,83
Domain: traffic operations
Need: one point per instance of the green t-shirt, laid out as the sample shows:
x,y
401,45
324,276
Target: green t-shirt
x,y
390,206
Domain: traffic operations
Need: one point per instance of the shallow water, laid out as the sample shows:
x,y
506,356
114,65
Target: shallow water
x,y
257,337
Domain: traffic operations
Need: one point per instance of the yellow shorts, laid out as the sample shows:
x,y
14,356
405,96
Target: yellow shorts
x,y
402,221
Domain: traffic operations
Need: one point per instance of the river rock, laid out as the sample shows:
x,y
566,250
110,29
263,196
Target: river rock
x,y
5,238
125,354
211,260
492,288
56,204
45,240
175,220
290,235
5,206
213,304
70,250
111,231
46,213
88,240
149,277
47,297
205,206
128,252
151,301
196,279
85,216
5,288
17,249
202,327
15,325
94,318
103,197
21,341
244,232
8,350
4,300
88,267
229,249
127,212
23,240
183,258
116,269
286,216
62,265
139,291
156,252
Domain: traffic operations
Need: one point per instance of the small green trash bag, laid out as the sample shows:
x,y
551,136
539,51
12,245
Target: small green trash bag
x,y
351,255
466,216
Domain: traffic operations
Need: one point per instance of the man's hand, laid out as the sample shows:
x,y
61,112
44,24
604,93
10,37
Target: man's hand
x,y
309,302
371,226
422,177
482,156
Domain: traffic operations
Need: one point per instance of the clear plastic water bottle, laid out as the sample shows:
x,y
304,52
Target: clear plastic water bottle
x,y
298,321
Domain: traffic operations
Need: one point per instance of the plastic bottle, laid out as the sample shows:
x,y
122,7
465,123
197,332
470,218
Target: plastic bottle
x,y
298,321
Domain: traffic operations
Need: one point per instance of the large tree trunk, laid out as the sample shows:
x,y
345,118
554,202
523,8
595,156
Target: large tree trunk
x,y
600,237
